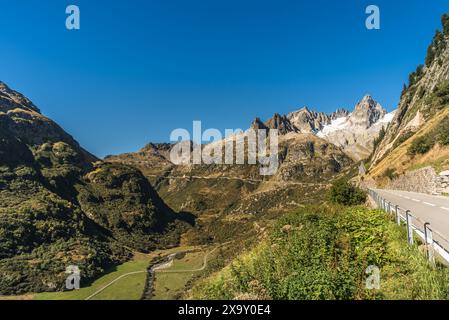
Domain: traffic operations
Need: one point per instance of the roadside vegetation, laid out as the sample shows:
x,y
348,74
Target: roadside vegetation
x,y
322,252
344,193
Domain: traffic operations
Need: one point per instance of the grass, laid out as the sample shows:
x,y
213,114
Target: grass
x,y
322,253
169,286
128,288
172,285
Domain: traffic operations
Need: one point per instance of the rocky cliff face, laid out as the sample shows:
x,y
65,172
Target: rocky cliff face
x,y
60,206
307,121
366,113
355,133
10,100
424,96
281,123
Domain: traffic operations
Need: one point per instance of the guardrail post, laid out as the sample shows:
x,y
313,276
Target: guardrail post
x,y
428,235
409,227
389,207
398,216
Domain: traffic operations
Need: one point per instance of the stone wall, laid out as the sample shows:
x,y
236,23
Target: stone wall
x,y
443,182
424,180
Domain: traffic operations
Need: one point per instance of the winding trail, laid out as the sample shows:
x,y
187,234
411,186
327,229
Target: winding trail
x,y
254,181
112,282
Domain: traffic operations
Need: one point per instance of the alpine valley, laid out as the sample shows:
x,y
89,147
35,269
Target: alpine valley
x,y
229,232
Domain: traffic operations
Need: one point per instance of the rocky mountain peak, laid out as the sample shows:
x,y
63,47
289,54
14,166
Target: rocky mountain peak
x,y
339,113
367,112
305,109
281,123
258,124
10,100
306,121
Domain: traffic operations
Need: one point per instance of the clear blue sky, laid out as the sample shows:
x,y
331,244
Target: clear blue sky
x,y
139,69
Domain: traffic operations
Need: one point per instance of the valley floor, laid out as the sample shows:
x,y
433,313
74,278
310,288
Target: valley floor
x,y
311,253
123,282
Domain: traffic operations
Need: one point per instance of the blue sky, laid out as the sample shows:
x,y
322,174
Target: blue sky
x,y
139,69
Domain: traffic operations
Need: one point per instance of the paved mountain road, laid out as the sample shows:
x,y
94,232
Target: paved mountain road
x,y
424,207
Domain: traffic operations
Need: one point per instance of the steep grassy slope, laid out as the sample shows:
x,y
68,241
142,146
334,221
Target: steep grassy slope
x,y
402,159
323,253
58,208
417,136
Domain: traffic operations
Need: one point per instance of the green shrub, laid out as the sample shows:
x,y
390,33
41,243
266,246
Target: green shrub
x,y
445,23
414,77
420,145
441,133
438,43
390,173
402,138
344,193
379,138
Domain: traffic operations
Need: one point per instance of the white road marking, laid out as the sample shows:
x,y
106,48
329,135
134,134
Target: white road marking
x,y
416,200
406,197
444,208
429,204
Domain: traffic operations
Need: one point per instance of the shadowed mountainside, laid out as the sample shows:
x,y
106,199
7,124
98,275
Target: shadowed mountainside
x,y
60,206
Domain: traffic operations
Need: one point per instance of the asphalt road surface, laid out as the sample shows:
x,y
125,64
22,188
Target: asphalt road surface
x,y
424,208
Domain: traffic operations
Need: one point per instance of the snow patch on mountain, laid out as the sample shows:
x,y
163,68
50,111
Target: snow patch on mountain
x,y
336,125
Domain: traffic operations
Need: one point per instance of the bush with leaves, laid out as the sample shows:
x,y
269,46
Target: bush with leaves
x,y
390,173
343,192
420,145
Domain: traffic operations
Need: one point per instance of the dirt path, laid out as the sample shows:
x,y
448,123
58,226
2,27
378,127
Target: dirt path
x,y
112,282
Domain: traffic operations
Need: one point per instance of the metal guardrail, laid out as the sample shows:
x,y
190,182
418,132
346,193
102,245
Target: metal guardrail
x,y
434,241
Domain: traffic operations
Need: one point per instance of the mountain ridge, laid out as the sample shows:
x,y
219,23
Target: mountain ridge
x,y
61,206
343,128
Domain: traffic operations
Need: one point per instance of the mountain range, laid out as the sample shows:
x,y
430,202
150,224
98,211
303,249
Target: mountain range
x,y
353,131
